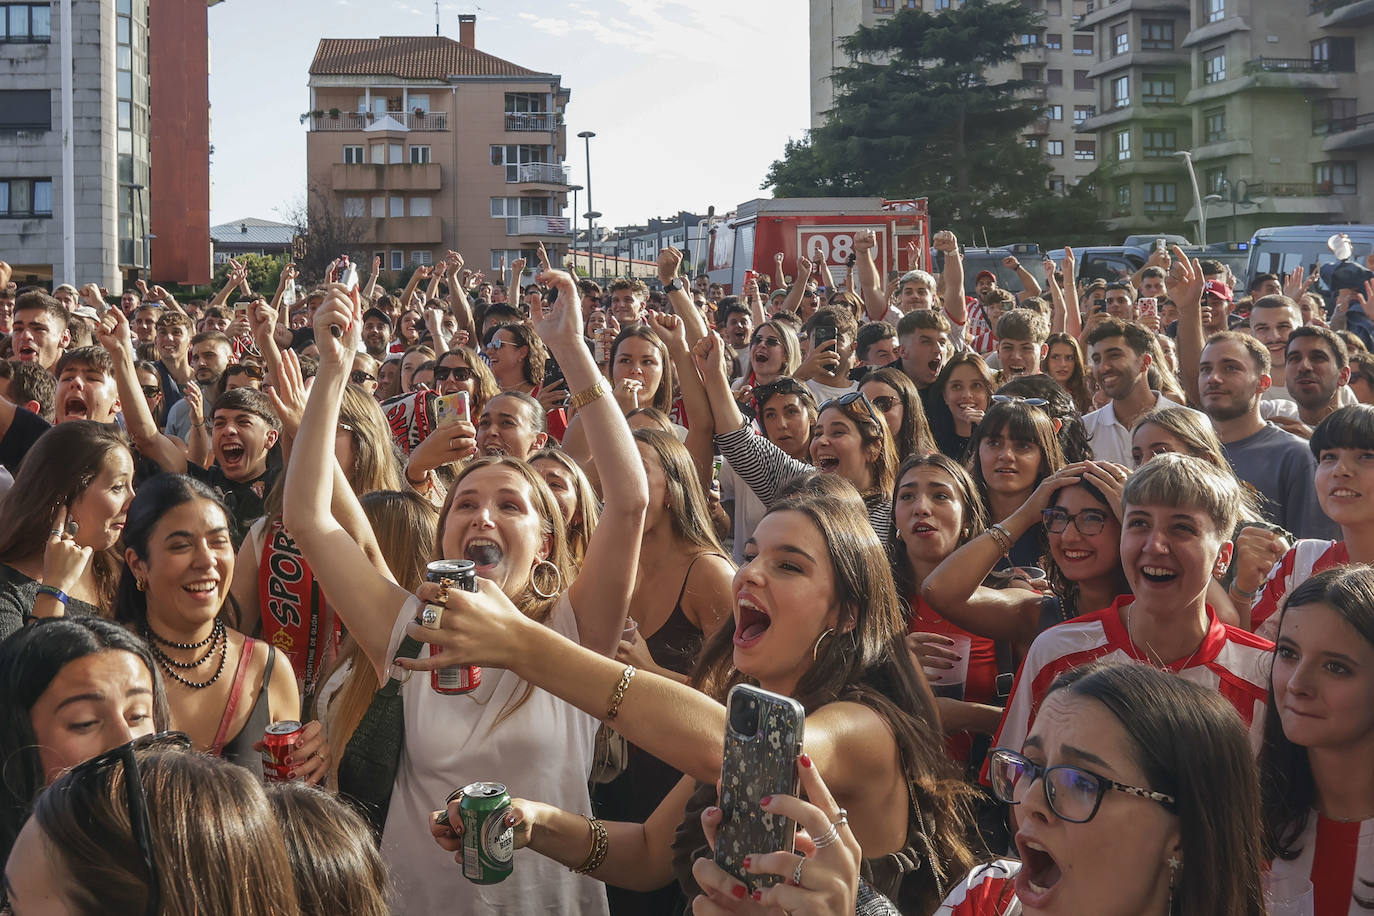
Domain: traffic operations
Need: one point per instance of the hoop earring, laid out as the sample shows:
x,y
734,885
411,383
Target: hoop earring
x,y
830,631
557,575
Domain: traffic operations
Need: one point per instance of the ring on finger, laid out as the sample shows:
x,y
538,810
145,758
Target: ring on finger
x,y
797,873
431,616
55,532
841,817
829,838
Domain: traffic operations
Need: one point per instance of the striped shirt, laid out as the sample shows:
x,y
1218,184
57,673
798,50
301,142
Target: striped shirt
x,y
1230,661
1338,858
985,891
1303,560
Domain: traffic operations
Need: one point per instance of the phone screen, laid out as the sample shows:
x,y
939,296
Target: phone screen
x,y
822,334
1099,305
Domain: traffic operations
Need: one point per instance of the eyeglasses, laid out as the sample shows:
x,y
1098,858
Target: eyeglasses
x,y
252,370
359,377
1029,402
885,402
845,400
458,373
125,755
769,342
1087,521
1073,794
151,391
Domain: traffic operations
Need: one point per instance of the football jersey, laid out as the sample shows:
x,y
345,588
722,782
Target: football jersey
x,y
1338,858
985,891
1303,560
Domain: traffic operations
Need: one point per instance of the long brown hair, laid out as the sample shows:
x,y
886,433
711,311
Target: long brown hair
x,y
663,397
971,524
336,866
1077,384
870,665
686,508
485,387
914,436
583,523
57,470
876,440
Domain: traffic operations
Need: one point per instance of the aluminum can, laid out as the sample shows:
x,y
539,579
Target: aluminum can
x,y
277,741
455,678
488,842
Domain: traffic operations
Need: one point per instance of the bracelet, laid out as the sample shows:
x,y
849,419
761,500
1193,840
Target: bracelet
x,y
613,708
1248,596
1002,537
601,844
54,592
587,395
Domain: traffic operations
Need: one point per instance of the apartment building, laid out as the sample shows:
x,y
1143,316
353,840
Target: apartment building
x,y
430,144
130,193
1266,96
1056,58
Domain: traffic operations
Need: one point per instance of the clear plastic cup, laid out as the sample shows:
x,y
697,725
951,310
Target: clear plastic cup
x,y
631,628
1288,895
949,682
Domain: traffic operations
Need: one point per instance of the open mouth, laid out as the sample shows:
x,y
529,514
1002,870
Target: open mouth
x,y
484,553
935,366
494,450
1039,872
827,463
231,455
1077,556
753,621
204,589
26,353
1345,493
75,409
1158,574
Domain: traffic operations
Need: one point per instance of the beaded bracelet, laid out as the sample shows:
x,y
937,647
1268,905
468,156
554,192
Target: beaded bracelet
x,y
601,845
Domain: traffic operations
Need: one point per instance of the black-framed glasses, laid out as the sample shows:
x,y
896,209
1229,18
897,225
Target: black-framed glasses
x,y
1073,793
151,391
126,756
1029,402
845,400
885,402
252,370
1088,521
359,377
458,373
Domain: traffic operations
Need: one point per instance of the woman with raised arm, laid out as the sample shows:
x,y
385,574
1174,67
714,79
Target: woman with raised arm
x,y
499,514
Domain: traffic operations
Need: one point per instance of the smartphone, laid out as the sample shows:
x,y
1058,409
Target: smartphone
x,y
1099,305
763,738
822,333
1148,305
452,407
750,275
553,373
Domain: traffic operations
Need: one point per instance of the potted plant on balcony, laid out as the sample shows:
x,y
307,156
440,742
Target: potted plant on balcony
x,y
333,112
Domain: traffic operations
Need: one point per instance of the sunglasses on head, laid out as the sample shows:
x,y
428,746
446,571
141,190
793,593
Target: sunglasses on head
x,y
845,400
457,373
1029,402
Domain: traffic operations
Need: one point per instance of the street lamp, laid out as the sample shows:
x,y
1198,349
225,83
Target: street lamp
x,y
591,215
1187,158
586,136
1238,194
574,188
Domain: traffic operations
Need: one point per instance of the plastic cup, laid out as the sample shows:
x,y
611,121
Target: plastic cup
x,y
949,682
1288,895
631,628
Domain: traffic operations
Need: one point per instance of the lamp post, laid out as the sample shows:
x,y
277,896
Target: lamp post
x,y
574,188
1238,194
1187,158
586,136
591,215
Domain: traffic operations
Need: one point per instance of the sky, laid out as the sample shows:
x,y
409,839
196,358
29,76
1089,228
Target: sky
x,y
690,101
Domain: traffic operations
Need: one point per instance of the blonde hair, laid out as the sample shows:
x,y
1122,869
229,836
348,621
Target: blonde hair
x,y
1184,482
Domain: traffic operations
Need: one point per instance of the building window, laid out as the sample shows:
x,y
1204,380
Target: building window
x,y
1123,145
26,197
1054,77
1056,184
1082,113
1054,7
378,207
377,153
1121,92
883,6
421,206
1216,10
1123,197
1156,35
419,155
1054,41
1159,142
1030,39
1081,81
1214,125
911,4
354,207
1332,116
1335,55
1032,143
1214,65
1121,39
26,22
397,206
395,153
1214,180
418,101
1157,89
353,155
25,109
398,260
1161,197
1083,44
1054,147
1085,150
1055,112
940,5
1335,177
422,257
1033,73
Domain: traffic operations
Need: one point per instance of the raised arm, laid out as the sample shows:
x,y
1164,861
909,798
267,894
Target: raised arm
x,y
113,333
779,280
366,600
1056,299
866,272
601,594
1073,318
794,295
693,325
231,280
457,297
700,435
823,267
1185,284
953,275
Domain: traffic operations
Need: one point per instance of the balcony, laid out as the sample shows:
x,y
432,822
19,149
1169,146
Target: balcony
x,y
1342,13
532,120
407,230
537,173
1286,65
1286,189
398,176
362,120
538,225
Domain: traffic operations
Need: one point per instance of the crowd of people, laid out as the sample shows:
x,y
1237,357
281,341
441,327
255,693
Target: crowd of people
x,y
1114,538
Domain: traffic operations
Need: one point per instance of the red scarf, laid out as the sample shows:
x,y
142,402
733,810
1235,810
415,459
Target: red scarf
x,y
295,617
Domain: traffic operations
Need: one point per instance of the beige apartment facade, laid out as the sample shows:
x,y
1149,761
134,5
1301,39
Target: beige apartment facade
x,y
1273,99
425,144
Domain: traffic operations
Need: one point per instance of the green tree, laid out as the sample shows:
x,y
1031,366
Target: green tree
x,y
915,116
264,273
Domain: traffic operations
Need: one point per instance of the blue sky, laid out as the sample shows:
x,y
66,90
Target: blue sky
x,y
690,101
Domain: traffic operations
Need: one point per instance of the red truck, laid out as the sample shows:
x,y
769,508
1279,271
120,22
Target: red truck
x,y
749,238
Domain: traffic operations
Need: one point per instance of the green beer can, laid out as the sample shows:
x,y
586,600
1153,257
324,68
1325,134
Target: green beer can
x,y
488,843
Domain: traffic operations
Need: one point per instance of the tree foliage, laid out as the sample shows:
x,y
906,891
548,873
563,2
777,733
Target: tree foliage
x,y
264,272
328,233
915,116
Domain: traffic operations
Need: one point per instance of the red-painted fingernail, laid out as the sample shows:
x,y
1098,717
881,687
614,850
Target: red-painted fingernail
x,y
745,864
713,811
510,820
739,890
758,895
763,802
806,760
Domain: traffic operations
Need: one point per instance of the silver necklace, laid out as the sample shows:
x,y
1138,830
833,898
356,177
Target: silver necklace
x,y
1158,661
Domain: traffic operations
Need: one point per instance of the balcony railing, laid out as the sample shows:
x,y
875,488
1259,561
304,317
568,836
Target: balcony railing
x,y
540,172
538,225
1341,125
361,120
1286,189
532,120
1287,65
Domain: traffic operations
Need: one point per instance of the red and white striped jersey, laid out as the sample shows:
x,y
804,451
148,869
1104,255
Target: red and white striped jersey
x,y
980,335
985,891
1338,859
1230,661
1303,560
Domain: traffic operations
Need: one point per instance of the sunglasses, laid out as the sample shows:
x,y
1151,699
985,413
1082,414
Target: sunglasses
x,y
885,402
1073,794
769,342
151,391
457,373
126,756
1087,521
252,370
359,377
497,343
1029,402
845,400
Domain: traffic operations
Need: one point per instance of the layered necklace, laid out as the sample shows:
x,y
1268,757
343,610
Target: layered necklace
x,y
218,640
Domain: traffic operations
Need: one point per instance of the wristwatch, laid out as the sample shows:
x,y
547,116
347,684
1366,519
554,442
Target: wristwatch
x,y
673,285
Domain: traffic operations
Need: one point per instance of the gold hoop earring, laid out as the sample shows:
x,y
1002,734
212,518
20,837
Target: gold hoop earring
x,y
815,649
141,584
557,577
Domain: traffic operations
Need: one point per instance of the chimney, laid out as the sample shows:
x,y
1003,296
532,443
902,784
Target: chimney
x,y
467,30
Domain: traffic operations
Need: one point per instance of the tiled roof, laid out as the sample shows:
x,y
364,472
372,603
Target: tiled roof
x,y
408,57
260,232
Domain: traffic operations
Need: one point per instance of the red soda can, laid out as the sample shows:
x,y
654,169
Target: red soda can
x,y
455,678
277,742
